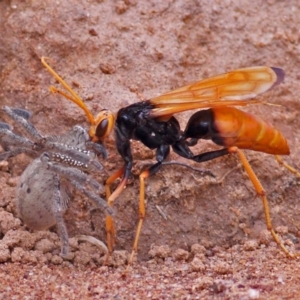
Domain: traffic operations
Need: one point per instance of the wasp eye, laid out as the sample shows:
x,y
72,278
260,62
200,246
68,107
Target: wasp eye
x,y
102,128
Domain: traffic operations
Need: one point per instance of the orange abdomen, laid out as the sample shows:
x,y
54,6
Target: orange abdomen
x,y
245,131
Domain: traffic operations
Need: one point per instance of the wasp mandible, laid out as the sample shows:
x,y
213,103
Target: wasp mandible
x,y
153,123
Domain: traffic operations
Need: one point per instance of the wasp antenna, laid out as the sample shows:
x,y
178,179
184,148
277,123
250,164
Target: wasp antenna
x,y
74,98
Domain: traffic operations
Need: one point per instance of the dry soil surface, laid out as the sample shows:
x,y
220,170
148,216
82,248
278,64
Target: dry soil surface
x,y
203,238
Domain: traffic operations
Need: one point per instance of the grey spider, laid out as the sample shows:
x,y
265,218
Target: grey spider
x,y
46,185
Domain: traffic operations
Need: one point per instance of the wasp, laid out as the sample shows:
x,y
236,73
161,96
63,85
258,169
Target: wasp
x,y
152,122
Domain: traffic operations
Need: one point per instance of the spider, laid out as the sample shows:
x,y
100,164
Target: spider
x,y
60,165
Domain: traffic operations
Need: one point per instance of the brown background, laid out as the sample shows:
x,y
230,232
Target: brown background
x,y
114,53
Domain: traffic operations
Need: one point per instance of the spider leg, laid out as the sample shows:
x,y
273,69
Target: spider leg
x,y
14,152
21,116
9,138
59,211
76,156
79,180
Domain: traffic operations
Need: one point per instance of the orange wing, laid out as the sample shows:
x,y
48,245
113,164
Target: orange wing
x,y
234,88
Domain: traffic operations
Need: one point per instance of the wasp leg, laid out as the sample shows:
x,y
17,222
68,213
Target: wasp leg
x,y
124,149
255,181
260,190
161,154
291,169
210,155
110,228
183,150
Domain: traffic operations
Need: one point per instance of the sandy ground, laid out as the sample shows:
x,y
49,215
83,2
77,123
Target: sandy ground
x,y
201,239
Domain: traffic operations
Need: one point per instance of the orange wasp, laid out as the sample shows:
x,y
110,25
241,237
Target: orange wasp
x,y
152,122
